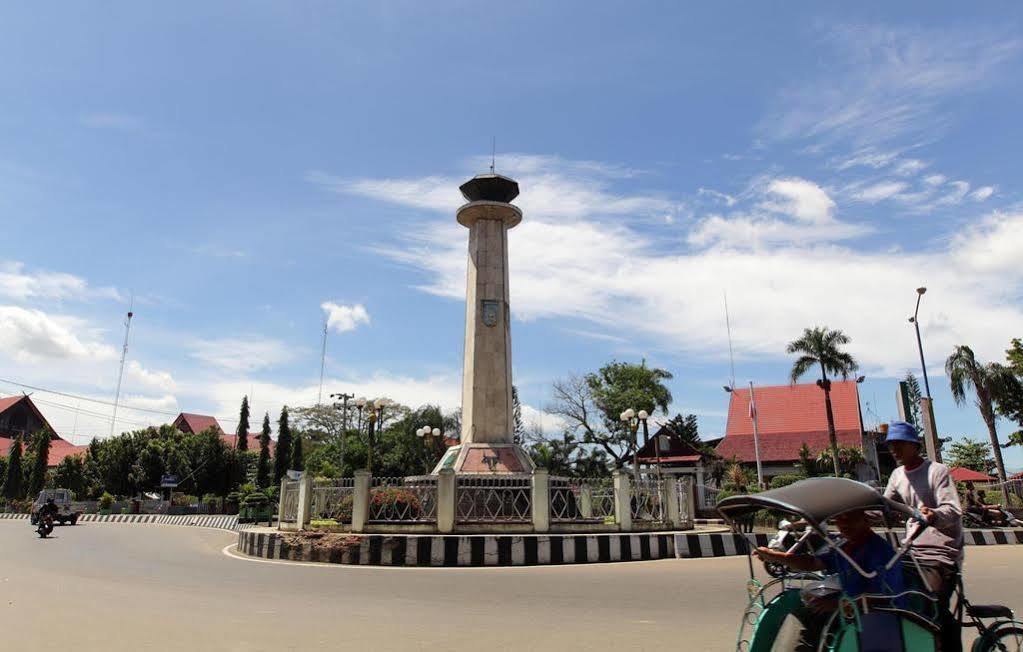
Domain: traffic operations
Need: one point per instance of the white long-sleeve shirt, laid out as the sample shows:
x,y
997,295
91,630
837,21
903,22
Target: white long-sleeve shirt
x,y
930,485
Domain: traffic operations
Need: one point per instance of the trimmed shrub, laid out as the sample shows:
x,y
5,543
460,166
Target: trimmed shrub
x,y
395,504
785,479
106,501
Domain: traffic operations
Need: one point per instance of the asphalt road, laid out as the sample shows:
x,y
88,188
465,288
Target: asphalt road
x,y
123,587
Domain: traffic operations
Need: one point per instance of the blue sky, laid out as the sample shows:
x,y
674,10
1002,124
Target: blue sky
x,y
237,167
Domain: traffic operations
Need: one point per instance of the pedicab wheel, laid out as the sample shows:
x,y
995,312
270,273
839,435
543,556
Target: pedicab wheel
x,y
74,520
774,569
1008,639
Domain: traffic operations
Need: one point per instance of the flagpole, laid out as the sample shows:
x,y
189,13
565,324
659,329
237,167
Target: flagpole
x,y
756,438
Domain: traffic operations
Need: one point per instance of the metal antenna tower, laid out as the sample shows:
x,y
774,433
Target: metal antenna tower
x,y
323,361
731,356
120,373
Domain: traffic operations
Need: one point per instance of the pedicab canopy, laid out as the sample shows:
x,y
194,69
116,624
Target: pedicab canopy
x,y
814,499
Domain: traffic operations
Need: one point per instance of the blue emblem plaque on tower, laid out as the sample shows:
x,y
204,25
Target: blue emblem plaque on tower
x,y
491,312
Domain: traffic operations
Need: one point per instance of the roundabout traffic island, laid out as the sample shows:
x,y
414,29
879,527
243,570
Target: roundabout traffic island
x,y
485,503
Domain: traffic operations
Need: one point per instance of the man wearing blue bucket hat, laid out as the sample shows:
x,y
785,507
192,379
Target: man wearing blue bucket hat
x,y
927,486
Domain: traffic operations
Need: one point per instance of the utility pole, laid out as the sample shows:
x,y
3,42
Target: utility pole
x,y
323,361
120,373
756,435
344,421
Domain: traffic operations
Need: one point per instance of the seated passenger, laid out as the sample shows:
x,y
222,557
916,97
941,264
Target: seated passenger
x,y
802,630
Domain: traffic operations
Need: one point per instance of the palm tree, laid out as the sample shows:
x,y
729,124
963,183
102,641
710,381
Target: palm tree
x,y
964,372
821,347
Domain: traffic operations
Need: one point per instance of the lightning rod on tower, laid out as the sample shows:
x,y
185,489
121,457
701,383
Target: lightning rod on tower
x,y
120,373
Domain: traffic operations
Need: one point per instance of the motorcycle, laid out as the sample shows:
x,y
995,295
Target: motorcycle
x,y
45,526
782,541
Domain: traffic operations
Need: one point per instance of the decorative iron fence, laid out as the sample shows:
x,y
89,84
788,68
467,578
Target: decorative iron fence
x,y
589,500
405,500
333,499
289,501
709,494
485,499
647,500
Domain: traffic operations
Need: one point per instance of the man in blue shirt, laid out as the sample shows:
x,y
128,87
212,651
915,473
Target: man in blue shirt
x,y
803,629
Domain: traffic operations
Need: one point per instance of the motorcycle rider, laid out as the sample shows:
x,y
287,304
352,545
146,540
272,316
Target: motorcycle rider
x,y
49,508
927,486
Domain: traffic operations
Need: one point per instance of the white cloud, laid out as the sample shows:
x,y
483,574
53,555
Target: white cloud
x,y
34,336
344,318
982,193
728,200
993,247
551,188
909,167
883,83
880,191
959,191
935,179
16,283
243,354
118,121
802,199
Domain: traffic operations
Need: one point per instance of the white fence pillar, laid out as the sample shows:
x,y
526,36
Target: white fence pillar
x,y
541,500
305,498
280,506
700,494
360,500
446,501
586,501
623,501
672,515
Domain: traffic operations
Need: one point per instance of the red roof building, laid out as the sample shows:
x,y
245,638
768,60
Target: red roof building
x,y
19,417
960,474
789,416
196,423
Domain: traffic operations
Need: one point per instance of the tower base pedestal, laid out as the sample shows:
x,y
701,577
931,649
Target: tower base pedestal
x,y
480,458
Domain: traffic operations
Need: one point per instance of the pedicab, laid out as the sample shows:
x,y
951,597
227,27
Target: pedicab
x,y
903,621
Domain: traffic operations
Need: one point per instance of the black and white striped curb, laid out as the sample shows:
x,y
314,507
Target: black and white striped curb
x,y
724,544
220,522
461,550
708,521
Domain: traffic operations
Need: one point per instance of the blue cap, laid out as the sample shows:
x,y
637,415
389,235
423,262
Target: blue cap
x,y
902,431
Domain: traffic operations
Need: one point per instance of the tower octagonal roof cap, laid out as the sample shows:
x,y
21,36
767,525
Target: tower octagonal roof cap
x,y
490,187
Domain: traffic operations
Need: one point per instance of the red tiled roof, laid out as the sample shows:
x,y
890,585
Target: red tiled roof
x,y
672,458
196,423
59,449
674,450
1016,476
959,474
10,401
789,416
253,440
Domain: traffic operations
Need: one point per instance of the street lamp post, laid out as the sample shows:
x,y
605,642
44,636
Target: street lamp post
x,y
360,404
433,435
643,416
632,424
376,422
919,344
927,413
343,406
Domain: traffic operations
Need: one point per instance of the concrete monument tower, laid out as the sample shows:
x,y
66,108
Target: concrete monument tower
x,y
487,438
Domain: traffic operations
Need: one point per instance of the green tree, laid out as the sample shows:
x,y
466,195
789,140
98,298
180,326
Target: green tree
x,y
297,459
242,439
970,454
1009,390
913,395
685,427
282,459
821,347
40,460
964,372
807,463
592,405
70,474
13,488
848,458
263,465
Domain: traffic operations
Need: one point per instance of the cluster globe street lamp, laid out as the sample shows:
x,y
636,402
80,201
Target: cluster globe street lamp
x,y
632,419
432,435
360,405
